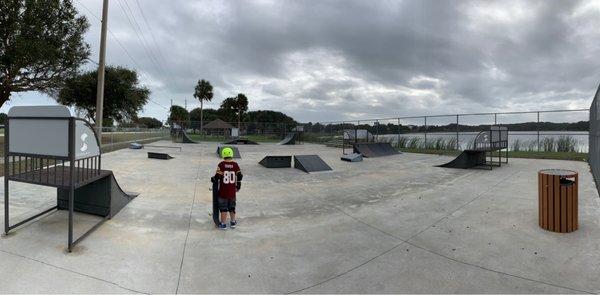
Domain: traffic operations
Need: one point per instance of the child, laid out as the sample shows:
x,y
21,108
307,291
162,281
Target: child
x,y
229,177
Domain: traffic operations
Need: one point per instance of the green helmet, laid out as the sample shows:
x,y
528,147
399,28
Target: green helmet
x,y
227,153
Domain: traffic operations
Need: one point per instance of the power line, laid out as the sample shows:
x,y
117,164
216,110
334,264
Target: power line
x,y
142,34
141,37
142,43
111,33
156,53
120,45
149,29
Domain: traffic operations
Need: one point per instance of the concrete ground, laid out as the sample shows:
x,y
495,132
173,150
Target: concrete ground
x,y
391,224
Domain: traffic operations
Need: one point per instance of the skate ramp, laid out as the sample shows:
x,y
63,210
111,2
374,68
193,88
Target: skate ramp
x,y
186,138
467,159
289,139
374,149
352,158
310,163
276,162
236,152
241,141
103,197
161,156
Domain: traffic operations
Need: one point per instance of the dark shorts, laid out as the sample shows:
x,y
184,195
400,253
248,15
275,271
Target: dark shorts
x,y
226,205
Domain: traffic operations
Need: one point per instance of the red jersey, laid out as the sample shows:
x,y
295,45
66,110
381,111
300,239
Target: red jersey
x,y
227,185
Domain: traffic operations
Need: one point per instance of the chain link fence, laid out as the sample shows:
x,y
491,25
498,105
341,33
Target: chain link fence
x,y
537,131
594,138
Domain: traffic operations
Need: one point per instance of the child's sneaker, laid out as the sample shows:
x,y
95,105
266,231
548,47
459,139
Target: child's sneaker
x,y
223,226
233,223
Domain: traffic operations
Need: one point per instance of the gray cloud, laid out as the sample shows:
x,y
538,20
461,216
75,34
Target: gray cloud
x,y
334,60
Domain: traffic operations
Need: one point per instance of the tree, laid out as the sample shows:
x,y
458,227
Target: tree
x,y
3,118
267,116
197,114
108,122
236,106
179,115
149,122
203,92
41,45
123,96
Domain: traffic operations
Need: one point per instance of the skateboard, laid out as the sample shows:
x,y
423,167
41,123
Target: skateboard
x,y
215,201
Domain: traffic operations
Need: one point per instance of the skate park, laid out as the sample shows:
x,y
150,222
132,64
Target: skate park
x,y
420,228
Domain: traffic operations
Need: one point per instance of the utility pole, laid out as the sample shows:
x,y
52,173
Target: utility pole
x,y
101,63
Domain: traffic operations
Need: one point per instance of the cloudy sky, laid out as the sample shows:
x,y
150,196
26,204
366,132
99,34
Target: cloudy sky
x,y
334,60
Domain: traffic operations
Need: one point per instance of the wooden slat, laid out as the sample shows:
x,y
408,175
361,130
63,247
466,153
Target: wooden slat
x,y
556,213
552,225
569,208
576,202
545,206
541,190
563,209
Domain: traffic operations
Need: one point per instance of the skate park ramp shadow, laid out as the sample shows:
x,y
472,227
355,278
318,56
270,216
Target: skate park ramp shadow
x,y
375,149
310,163
236,151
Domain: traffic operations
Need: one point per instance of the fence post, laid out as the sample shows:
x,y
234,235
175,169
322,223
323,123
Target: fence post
x,y
377,130
495,119
331,130
425,143
457,132
538,131
356,132
398,140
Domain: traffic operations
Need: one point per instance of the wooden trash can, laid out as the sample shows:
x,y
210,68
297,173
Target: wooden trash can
x,y
558,206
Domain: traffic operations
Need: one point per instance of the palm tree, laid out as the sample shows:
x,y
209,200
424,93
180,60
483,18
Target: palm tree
x,y
241,105
203,92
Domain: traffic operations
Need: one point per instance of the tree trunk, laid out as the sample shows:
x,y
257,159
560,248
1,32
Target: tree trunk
x,y
239,116
4,95
201,116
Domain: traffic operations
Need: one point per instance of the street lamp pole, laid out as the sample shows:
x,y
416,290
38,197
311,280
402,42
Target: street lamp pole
x,y
101,66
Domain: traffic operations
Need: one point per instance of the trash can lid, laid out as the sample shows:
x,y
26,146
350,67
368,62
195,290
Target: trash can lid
x,y
559,172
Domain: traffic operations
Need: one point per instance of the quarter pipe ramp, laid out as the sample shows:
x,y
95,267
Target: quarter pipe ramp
x,y
467,159
374,149
289,139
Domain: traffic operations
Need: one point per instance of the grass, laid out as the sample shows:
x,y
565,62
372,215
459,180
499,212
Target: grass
x,y
570,156
216,138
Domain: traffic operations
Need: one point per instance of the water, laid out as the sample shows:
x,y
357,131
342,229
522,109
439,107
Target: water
x,y
526,138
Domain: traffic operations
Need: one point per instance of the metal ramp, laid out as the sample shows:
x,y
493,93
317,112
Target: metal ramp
x,y
276,162
289,139
310,163
352,158
103,197
374,149
241,141
467,159
161,156
481,155
186,138
236,152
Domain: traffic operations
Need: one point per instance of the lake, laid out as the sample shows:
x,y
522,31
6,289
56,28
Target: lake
x,y
525,138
